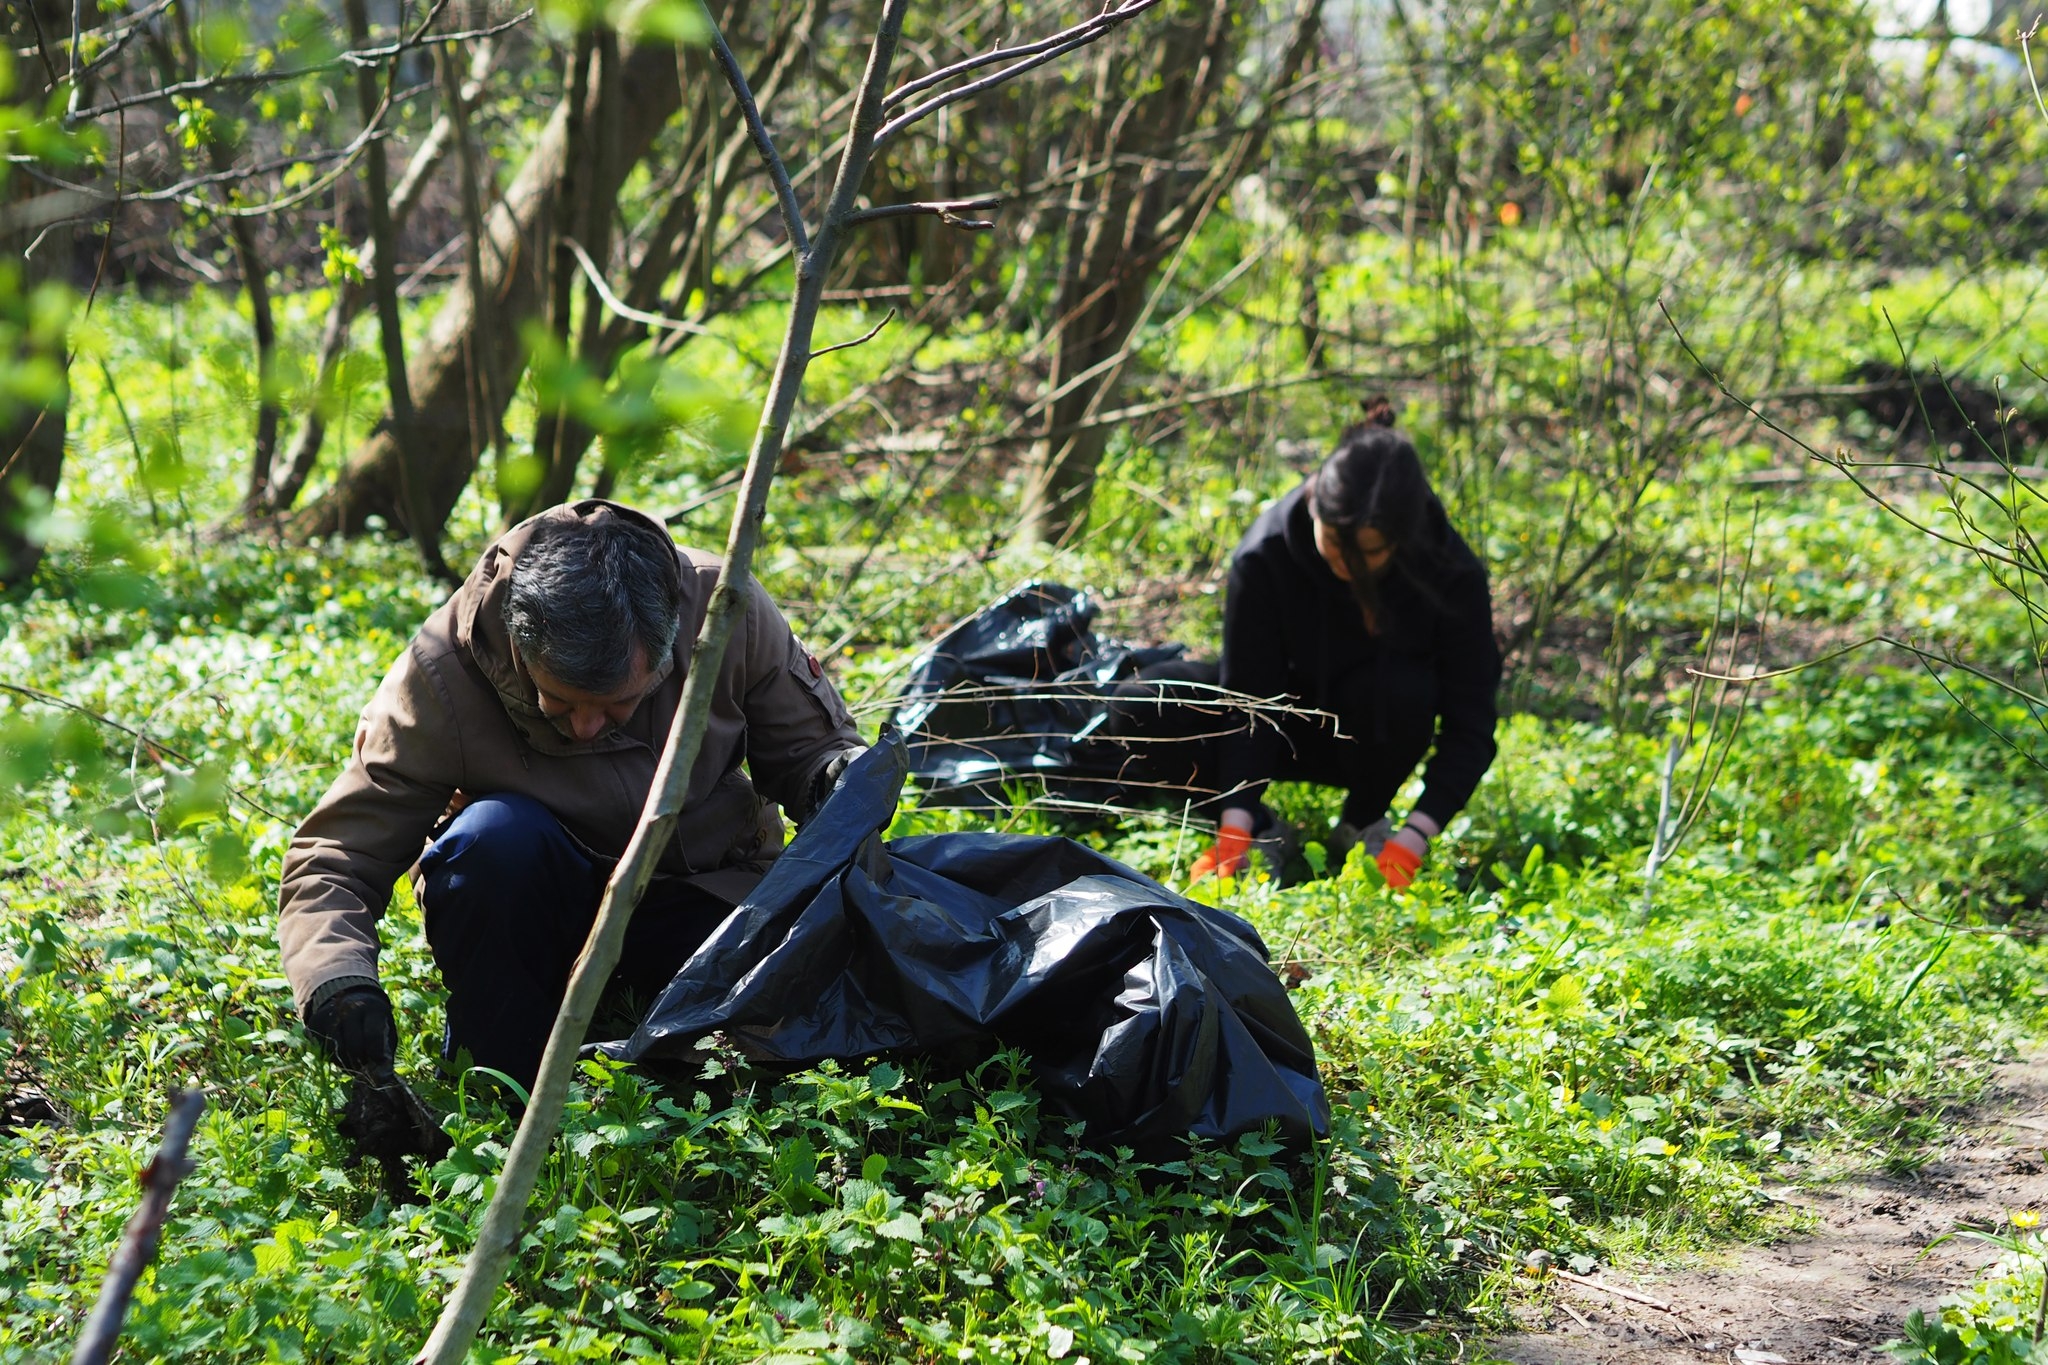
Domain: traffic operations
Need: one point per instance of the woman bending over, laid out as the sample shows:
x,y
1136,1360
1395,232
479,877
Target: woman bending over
x,y
1354,595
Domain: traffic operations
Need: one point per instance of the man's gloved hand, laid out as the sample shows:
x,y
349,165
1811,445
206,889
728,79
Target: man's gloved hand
x,y
827,780
1401,856
357,1028
1225,857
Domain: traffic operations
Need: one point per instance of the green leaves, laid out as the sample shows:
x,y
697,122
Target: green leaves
x,y
648,404
675,21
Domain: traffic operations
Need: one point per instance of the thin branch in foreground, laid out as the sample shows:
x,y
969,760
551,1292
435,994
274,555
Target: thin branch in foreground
x,y
861,340
182,190
159,1180
158,750
1926,656
948,211
625,310
498,1230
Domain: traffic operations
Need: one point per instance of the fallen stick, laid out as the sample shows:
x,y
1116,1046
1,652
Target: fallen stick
x,y
1615,1290
159,1180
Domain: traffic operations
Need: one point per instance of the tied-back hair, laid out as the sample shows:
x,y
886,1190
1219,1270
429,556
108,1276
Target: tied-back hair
x,y
1374,478
585,589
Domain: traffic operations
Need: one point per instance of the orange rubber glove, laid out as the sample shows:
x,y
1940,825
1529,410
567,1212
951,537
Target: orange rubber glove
x,y
1399,864
1225,857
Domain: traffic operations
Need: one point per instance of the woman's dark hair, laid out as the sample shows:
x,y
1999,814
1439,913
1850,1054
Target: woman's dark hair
x,y
1374,478
585,589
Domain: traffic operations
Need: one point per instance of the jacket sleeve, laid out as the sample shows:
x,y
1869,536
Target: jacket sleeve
x,y
1468,678
796,720
368,828
1255,664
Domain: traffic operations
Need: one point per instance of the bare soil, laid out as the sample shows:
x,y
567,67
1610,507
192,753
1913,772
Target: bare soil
x,y
1836,1293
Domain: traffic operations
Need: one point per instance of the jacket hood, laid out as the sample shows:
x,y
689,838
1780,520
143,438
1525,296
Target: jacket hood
x,y
478,610
1298,529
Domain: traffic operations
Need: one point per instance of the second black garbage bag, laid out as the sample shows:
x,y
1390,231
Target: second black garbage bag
x,y
1150,1016
1025,691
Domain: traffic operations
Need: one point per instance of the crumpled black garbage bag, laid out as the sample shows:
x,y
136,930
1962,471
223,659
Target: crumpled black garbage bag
x,y
1025,689
1151,1016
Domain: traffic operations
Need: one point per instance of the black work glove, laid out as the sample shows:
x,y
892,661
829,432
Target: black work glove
x,y
386,1123
357,1028
827,780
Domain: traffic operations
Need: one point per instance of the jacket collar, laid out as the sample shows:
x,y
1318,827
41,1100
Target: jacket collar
x,y
479,612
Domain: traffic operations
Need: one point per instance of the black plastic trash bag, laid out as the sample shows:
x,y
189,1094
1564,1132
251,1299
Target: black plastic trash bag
x,y
1152,1017
1024,689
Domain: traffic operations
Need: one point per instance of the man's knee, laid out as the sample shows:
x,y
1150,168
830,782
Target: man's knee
x,y
502,842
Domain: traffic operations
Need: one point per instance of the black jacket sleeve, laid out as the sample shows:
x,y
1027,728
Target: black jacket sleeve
x,y
1468,679
1254,663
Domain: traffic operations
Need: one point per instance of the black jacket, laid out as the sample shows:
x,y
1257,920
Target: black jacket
x,y
1291,627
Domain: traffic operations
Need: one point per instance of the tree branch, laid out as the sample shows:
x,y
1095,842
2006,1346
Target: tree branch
x,y
625,310
368,56
158,750
861,340
778,170
498,1232
947,211
1079,36
159,1180
1087,29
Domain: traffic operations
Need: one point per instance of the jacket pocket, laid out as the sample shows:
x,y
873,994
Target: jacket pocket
x,y
810,674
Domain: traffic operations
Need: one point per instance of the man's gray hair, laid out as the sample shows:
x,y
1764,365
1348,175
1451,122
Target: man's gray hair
x,y
585,589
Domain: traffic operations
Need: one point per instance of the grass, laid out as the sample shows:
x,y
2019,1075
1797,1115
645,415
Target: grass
x,y
1522,1056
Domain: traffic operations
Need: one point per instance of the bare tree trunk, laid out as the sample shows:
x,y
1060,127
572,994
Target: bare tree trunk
x,y
518,270
419,521
31,463
255,278
572,215
289,476
487,420
32,436
1131,206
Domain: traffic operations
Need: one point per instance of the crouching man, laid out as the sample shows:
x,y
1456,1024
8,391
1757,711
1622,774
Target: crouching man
x,y
506,759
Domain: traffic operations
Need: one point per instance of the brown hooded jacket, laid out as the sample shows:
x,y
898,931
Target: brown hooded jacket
x,y
458,713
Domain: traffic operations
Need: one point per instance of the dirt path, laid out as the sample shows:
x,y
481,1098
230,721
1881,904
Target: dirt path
x,y
1837,1293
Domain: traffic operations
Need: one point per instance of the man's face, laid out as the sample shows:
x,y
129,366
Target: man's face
x,y
583,716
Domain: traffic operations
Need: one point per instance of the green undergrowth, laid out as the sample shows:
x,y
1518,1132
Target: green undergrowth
x,y
1998,1320
1522,1055
1531,1051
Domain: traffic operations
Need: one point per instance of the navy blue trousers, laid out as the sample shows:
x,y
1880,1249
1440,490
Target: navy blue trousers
x,y
508,899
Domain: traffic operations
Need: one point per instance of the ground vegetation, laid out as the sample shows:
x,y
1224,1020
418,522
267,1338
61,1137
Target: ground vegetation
x,y
1718,327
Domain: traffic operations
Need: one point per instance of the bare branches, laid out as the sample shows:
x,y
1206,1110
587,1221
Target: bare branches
x,y
1022,59
159,1180
947,211
145,742
778,170
181,192
860,340
625,310
247,80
